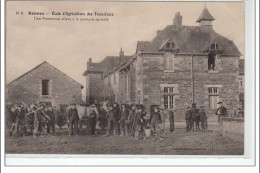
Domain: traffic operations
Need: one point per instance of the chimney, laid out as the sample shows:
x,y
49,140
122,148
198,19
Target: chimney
x,y
121,53
89,63
177,21
158,31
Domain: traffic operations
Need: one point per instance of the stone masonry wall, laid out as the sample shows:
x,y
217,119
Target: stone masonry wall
x,y
28,88
154,76
94,89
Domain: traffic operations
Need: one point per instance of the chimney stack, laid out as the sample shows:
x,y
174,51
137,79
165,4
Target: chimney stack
x,y
89,63
177,21
121,53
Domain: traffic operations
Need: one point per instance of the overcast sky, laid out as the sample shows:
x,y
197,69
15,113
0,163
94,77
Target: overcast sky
x,y
68,44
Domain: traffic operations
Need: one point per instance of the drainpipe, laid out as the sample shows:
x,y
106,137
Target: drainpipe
x,y
192,79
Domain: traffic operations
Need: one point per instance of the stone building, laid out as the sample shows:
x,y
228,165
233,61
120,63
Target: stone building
x,y
241,80
44,84
182,65
102,79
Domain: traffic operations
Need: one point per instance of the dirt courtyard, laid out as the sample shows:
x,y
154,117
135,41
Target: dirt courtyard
x,y
178,143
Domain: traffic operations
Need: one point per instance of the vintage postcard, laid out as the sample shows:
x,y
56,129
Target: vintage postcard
x,y
126,79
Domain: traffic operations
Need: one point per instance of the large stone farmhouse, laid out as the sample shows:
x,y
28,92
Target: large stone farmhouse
x,y
44,84
181,65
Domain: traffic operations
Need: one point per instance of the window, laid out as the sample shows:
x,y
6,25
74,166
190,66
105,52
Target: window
x,y
211,61
213,98
214,46
170,45
169,64
45,87
168,97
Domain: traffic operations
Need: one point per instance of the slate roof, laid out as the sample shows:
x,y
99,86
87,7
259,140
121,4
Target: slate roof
x,y
108,64
45,62
189,40
205,15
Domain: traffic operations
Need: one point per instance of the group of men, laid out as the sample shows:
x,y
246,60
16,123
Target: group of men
x,y
33,120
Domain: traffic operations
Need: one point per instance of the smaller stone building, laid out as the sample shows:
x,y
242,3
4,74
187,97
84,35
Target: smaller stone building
x,y
44,84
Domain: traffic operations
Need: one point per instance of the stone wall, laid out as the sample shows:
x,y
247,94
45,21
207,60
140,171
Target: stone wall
x,y
28,88
94,87
225,79
233,128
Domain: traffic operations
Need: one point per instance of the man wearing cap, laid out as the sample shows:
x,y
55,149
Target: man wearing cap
x,y
20,121
92,120
194,115
137,121
188,119
73,119
109,119
203,116
221,111
38,118
124,120
155,120
116,118
50,122
131,118
171,119
12,116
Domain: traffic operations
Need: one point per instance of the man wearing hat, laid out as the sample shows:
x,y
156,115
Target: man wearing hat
x,y
171,119
73,119
92,120
138,121
155,120
116,118
203,116
38,118
194,115
124,120
51,122
131,116
188,119
109,119
221,111
20,121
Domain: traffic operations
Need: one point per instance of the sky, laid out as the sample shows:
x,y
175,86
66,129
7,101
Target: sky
x,y
68,45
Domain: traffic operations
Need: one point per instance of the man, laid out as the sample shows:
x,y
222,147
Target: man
x,y
203,116
102,117
221,112
116,118
12,116
131,118
171,119
188,119
124,120
194,115
109,119
58,116
39,115
73,119
51,122
20,121
92,120
137,122
155,120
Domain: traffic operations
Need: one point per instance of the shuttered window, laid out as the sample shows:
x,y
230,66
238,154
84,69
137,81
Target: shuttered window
x,y
213,98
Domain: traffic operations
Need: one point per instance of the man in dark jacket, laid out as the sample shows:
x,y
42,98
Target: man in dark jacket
x,y
188,119
109,117
116,118
12,118
92,120
20,121
124,120
138,122
194,115
39,115
221,111
203,116
50,123
131,117
155,120
171,119
73,119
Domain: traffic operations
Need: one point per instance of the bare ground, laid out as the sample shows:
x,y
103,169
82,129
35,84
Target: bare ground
x,y
179,143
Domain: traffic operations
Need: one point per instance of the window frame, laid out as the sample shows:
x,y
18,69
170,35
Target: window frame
x,y
43,93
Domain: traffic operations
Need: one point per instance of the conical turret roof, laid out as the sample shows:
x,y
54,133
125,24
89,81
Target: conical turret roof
x,y
205,15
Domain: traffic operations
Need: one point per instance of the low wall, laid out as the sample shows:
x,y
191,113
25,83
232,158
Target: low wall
x,y
233,128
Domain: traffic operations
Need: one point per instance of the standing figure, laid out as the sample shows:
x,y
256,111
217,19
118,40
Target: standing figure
x,y
137,122
58,116
92,120
116,118
188,119
221,111
131,119
73,119
20,121
203,116
38,119
171,119
12,117
109,119
102,117
194,114
51,122
124,120
155,120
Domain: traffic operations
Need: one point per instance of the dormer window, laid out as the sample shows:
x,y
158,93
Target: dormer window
x,y
214,47
169,45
